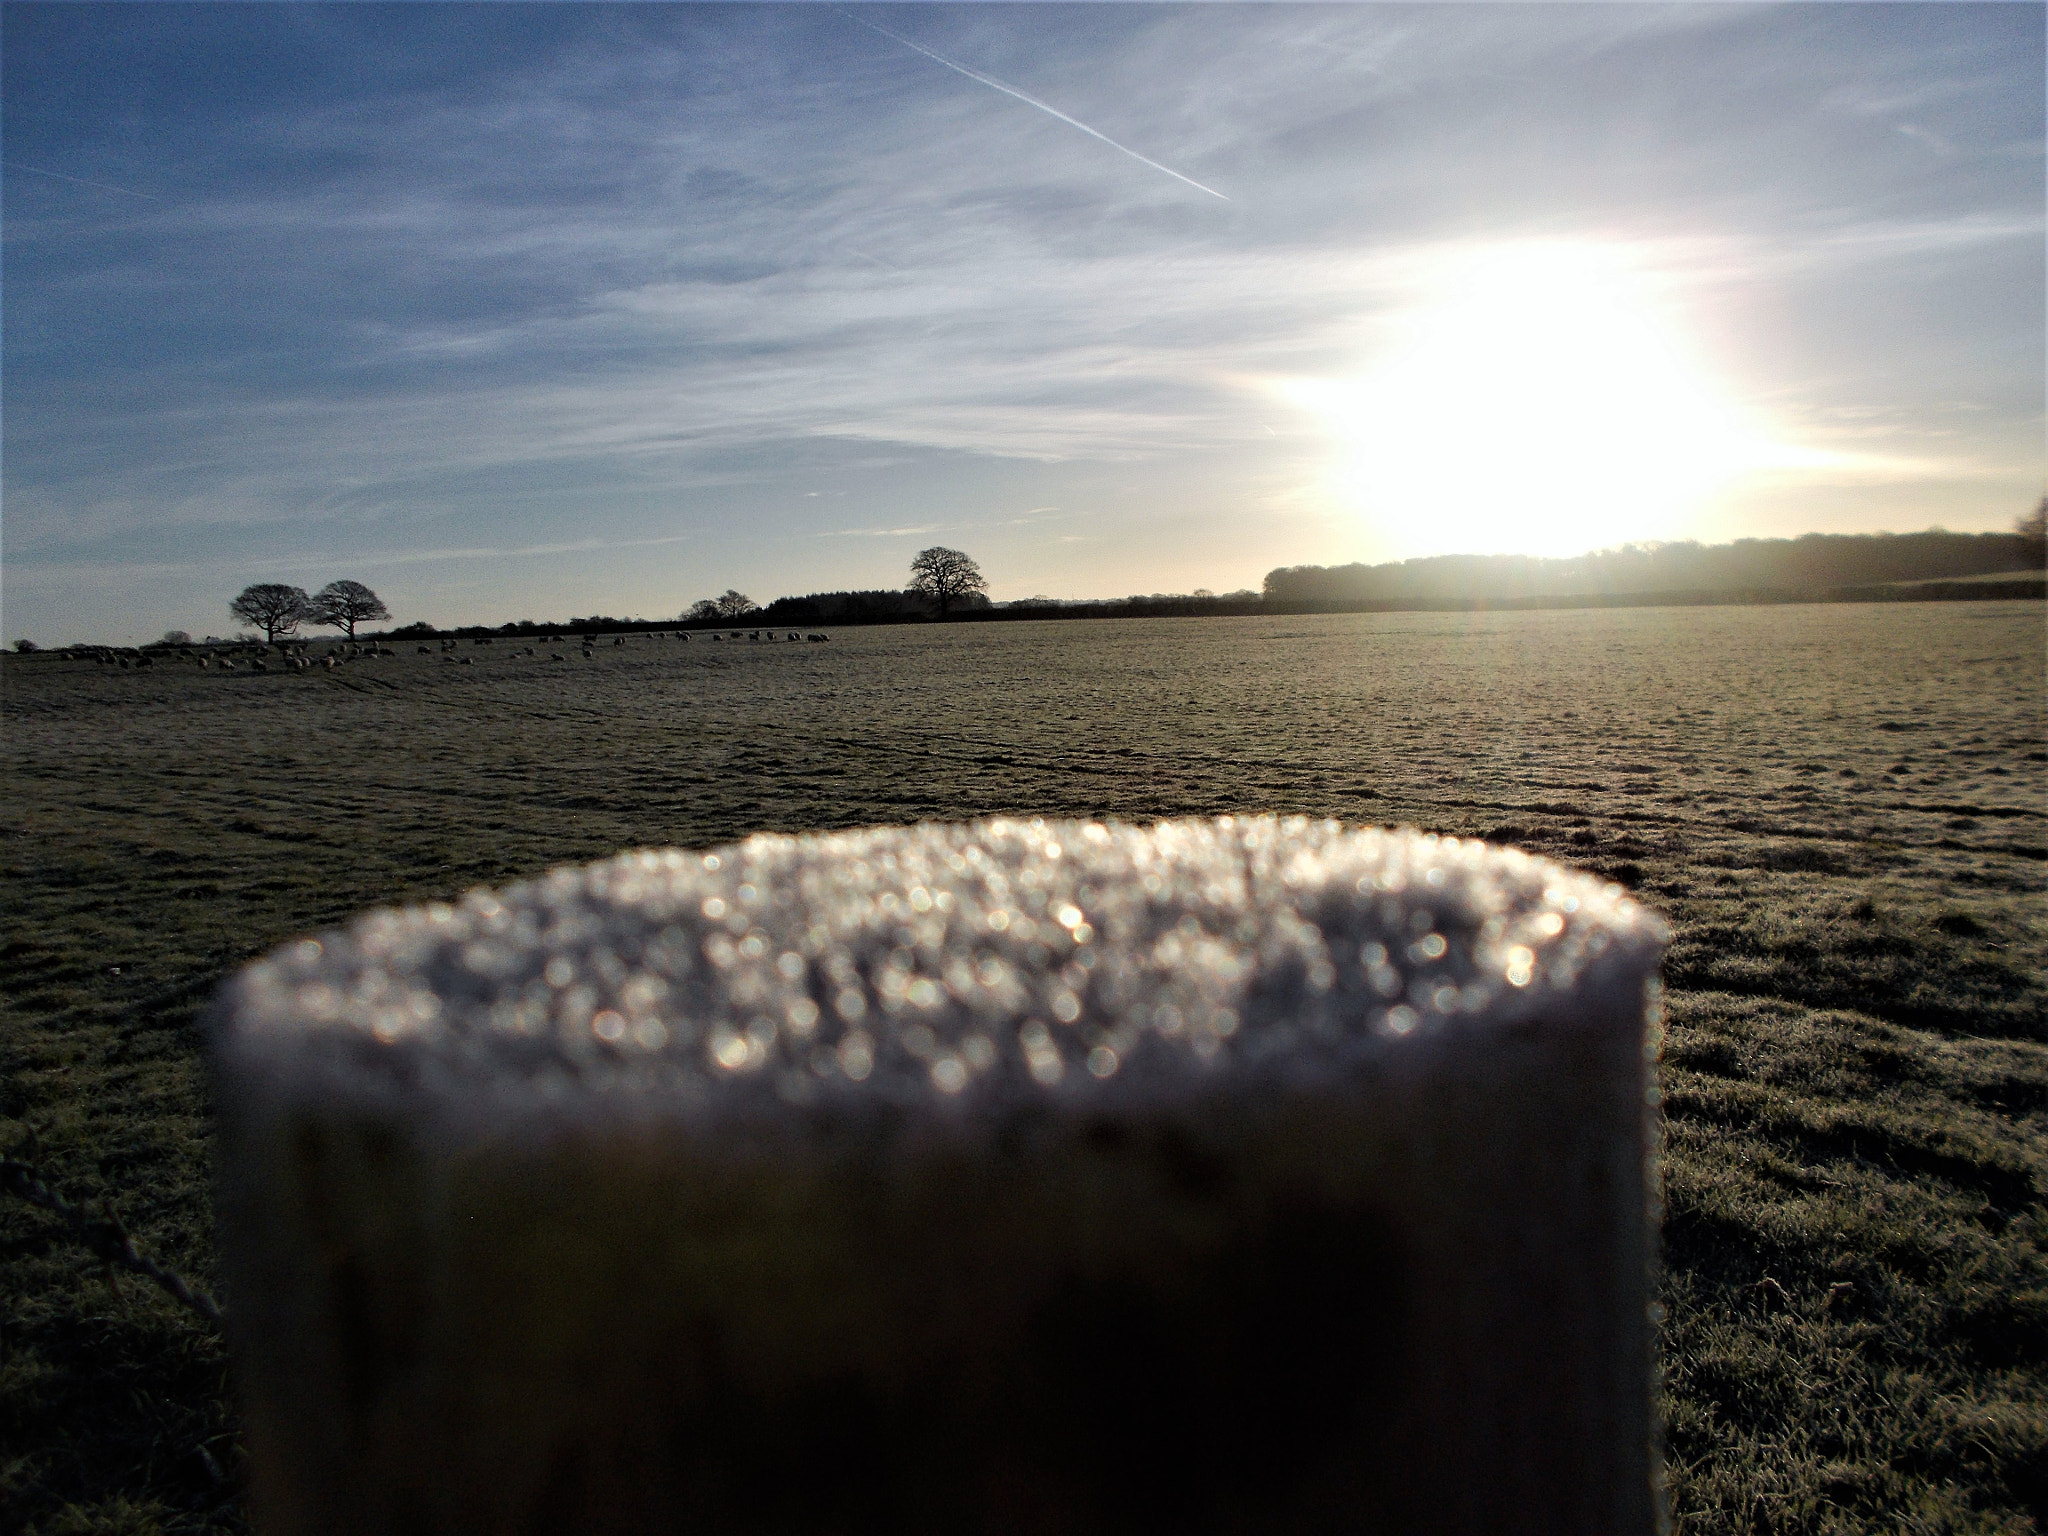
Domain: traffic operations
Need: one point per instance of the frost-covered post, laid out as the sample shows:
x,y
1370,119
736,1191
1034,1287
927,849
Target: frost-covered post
x,y
1239,1175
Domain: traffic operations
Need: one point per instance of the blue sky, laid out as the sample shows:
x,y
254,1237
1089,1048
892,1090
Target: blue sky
x,y
531,310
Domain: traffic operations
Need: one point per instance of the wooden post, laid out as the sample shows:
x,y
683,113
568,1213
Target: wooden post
x,y
1219,1176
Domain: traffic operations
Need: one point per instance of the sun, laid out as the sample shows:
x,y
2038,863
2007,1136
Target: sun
x,y
1537,399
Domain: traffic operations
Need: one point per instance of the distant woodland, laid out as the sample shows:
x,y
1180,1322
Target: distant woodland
x,y
1816,565
1933,566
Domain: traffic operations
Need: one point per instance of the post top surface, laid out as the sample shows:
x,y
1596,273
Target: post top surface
x,y
942,965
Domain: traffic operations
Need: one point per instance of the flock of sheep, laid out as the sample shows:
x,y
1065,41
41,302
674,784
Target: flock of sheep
x,y
295,656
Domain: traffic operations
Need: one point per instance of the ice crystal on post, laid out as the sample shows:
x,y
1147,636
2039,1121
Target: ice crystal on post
x,y
926,1111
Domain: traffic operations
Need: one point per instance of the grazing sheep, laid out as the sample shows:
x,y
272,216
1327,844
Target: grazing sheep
x,y
204,663
467,661
684,638
588,653
815,639
554,656
618,639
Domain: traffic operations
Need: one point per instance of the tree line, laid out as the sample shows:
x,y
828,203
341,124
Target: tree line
x,y
1815,564
949,581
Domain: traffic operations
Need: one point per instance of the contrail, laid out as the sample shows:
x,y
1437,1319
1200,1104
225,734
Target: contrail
x,y
104,186
1031,101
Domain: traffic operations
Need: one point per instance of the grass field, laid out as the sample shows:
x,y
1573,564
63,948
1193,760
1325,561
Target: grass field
x,y
1841,808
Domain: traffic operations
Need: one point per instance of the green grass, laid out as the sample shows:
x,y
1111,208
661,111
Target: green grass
x,y
1842,810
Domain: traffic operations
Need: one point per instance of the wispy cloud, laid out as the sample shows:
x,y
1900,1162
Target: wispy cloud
x,y
44,572
655,271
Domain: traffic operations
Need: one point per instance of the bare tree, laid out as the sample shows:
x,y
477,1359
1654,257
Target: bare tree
x,y
732,604
2033,528
176,637
944,576
345,604
703,608
273,608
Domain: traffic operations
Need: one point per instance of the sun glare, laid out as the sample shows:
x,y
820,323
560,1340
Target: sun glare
x,y
1535,401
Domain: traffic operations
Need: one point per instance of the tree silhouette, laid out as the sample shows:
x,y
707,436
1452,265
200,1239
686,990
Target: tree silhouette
x,y
345,604
2034,529
272,608
944,576
731,604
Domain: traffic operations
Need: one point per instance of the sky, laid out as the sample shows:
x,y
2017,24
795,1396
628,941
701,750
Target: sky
x,y
539,311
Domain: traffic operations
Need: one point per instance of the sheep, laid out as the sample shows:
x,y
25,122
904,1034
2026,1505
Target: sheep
x,y
618,639
554,655
466,661
204,663
588,653
815,638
